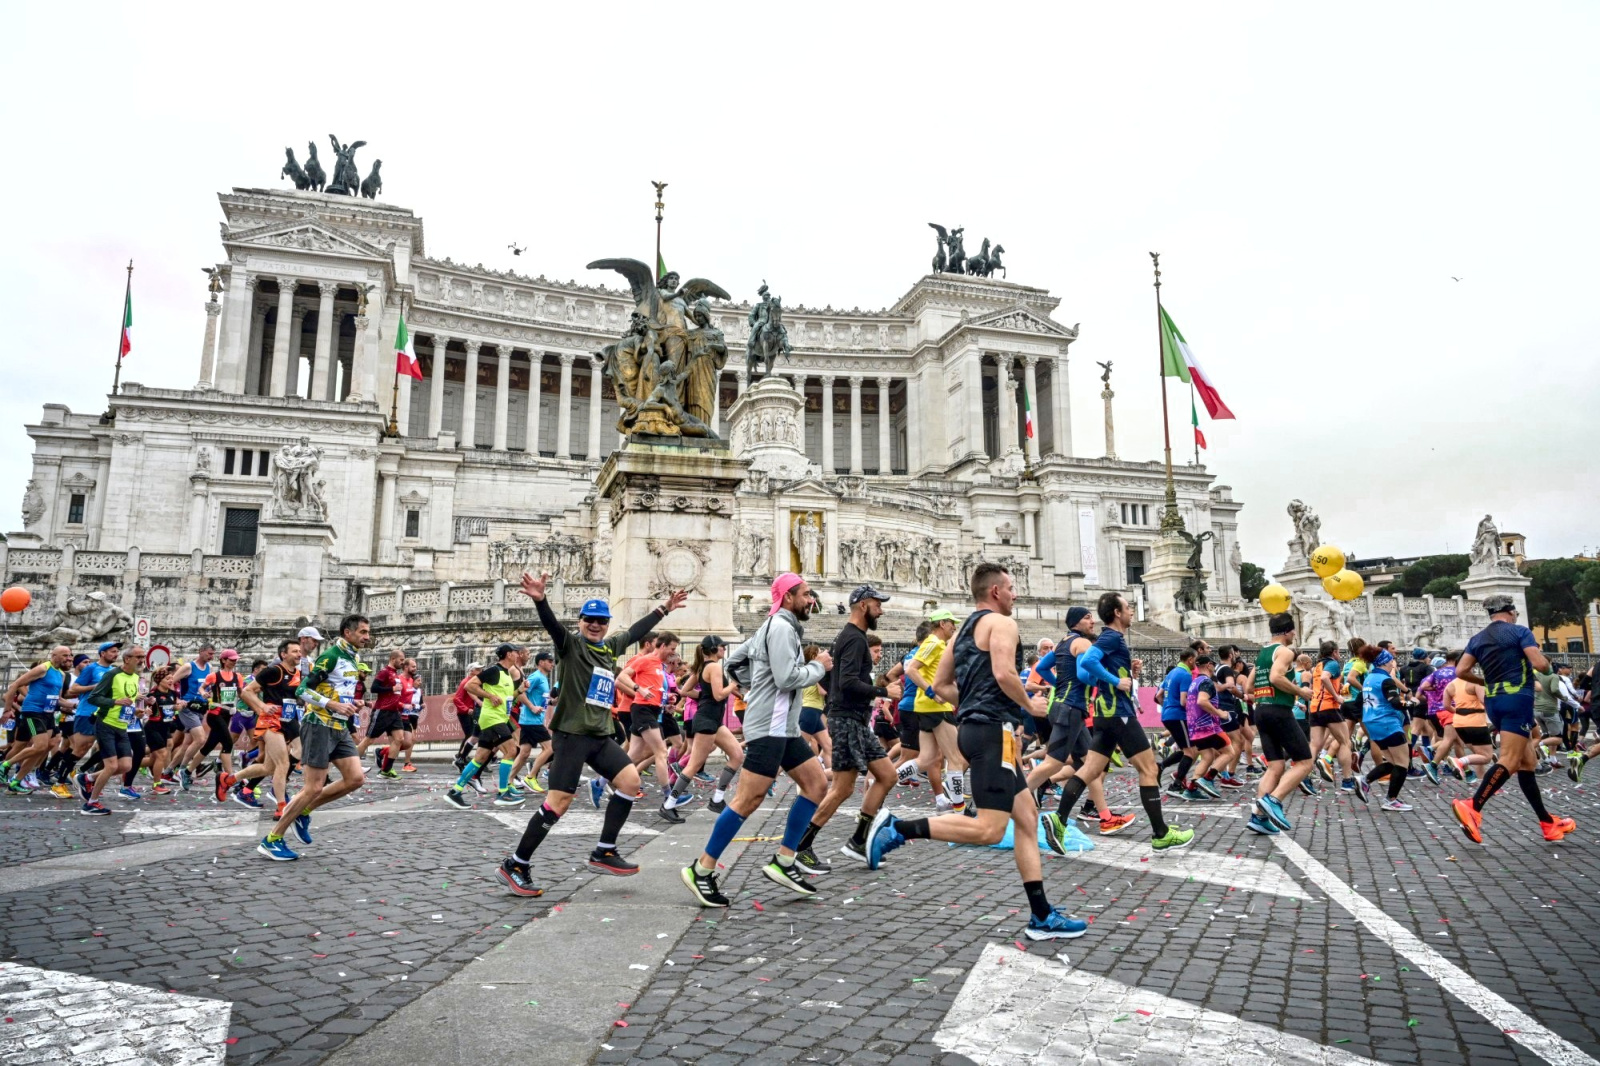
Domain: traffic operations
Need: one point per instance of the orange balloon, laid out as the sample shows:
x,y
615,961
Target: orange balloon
x,y
15,599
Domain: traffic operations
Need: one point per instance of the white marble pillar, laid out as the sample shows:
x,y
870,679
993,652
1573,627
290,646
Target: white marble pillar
x,y
209,348
258,340
1031,369
1061,407
564,409
1006,424
974,391
743,377
199,490
855,424
386,517
885,443
469,399
441,346
283,355
827,426
594,410
535,387
716,406
234,358
322,361
502,395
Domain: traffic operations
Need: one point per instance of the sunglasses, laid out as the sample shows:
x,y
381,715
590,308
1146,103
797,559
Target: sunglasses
x,y
591,620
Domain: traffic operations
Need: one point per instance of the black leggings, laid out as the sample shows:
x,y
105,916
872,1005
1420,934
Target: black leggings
x,y
135,741
219,735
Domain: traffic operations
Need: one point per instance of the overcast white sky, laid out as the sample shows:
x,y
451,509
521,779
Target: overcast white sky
x,y
1313,176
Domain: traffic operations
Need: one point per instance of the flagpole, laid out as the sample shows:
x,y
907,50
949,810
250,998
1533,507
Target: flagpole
x,y
660,198
116,377
393,428
1171,520
1197,426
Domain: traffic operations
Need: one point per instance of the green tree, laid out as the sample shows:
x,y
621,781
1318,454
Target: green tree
x,y
1442,588
1553,598
1252,579
1414,579
1589,585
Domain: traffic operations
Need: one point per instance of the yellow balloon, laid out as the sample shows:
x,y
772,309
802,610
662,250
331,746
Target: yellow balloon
x,y
1327,560
1275,599
1344,585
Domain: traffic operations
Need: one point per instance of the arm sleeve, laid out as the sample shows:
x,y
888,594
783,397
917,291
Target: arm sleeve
x,y
1091,670
559,636
856,661
382,686
100,695
1046,668
1391,693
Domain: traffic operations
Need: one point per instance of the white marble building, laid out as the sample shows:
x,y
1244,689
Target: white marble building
x,y
915,457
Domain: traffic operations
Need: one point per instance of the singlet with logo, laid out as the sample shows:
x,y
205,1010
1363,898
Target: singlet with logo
x,y
163,706
225,687
981,698
44,692
501,683
1265,692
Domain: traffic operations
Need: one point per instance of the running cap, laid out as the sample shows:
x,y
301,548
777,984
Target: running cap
x,y
595,609
1076,615
543,657
1280,624
363,668
80,658
1497,604
309,633
1436,661
1419,653
866,592
781,587
941,615
108,645
711,642
474,666
1561,666
503,650
227,653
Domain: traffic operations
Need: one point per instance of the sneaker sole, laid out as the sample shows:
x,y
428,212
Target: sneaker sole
x,y
859,856
1052,837
1114,830
1172,847
1045,934
516,889
687,878
274,857
1281,823
1258,829
1474,835
878,821
601,867
779,879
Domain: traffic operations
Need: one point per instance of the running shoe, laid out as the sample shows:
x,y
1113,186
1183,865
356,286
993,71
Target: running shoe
x,y
704,777
476,785
1552,830
704,887
667,814
808,861
85,785
508,798
1566,825
518,878
302,828
389,773
789,877
94,809
1229,781
130,794
1054,832
1258,824
1416,771
941,805
455,798
1309,787
854,850
1174,839
185,778
224,782
17,787
1396,805
1208,788
1348,787
1059,926
1089,812
906,775
1112,822
1575,764
597,789
608,861
1273,810
60,791
245,797
531,784
1193,795
1363,788
276,850
1471,820
684,799
1325,767
1116,758
882,838
1432,771
460,762
408,768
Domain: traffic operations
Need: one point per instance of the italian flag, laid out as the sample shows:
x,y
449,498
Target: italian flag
x,y
661,267
405,359
127,323
1027,413
1178,361
1194,418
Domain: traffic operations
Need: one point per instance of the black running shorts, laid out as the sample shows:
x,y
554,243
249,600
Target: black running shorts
x,y
927,723
386,723
1118,732
1178,730
571,752
855,747
643,717
1281,736
1069,740
532,735
992,785
765,757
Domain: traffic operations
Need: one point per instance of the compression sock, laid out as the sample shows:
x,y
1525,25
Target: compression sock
x,y
1493,781
1170,761
1071,793
725,779
1036,899
915,829
1530,788
386,763
1397,780
723,830
617,810
809,837
1381,770
538,828
800,812
863,822
472,769
1150,799
505,774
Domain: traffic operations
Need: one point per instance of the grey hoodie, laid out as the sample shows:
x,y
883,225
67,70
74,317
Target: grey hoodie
x,y
773,671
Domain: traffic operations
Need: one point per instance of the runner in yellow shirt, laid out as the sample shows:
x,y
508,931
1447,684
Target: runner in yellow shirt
x,y
936,718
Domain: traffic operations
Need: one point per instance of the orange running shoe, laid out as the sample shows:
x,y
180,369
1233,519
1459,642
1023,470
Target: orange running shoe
x,y
1110,822
408,768
1471,820
1557,828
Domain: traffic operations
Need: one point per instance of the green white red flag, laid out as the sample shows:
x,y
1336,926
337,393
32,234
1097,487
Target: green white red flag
x,y
1178,361
127,323
1194,417
1027,411
405,358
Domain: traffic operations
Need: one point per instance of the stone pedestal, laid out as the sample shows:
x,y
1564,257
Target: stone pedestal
x,y
1164,579
1482,583
767,426
291,554
672,528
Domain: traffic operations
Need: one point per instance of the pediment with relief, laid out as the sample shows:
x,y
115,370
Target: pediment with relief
x,y
304,234
1023,320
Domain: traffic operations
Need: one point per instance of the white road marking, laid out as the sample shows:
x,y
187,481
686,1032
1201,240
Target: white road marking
x,y
1021,1007
1510,1019
220,822
86,1020
1246,874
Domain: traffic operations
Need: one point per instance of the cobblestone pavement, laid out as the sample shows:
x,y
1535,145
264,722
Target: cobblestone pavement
x,y
396,896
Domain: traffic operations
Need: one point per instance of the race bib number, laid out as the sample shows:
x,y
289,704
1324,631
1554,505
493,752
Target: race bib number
x,y
291,711
51,703
1008,750
602,689
230,697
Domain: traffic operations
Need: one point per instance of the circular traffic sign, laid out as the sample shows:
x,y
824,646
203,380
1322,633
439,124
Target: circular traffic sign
x,y
160,655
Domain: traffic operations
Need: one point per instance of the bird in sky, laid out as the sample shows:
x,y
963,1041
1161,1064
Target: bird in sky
x,y
517,249
1454,278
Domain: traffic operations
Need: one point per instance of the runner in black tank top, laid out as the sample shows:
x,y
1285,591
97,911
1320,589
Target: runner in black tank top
x,y
982,675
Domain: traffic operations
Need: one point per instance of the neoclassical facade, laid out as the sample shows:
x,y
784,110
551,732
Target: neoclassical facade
x,y
907,456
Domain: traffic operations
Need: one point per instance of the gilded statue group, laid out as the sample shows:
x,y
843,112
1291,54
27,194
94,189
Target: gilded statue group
x,y
950,254
347,180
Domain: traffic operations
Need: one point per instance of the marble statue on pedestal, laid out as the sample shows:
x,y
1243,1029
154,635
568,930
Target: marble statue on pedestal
x,y
297,493
1486,551
1307,532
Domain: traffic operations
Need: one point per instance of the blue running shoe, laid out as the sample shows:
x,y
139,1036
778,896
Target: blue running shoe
x,y
276,850
85,786
302,828
882,838
1208,787
1058,926
1273,811
597,790
1432,771
704,778
1309,787
1258,824
130,794
245,798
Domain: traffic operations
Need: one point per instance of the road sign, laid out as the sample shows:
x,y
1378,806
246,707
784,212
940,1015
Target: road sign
x,y
141,630
160,655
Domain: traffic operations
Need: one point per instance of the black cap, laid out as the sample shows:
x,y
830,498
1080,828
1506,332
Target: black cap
x,y
1076,615
866,592
503,650
543,657
711,642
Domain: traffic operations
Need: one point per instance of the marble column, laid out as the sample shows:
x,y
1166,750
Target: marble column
x,y
827,426
535,385
297,349
594,410
564,410
469,399
502,395
254,357
855,424
1061,404
199,491
234,361
716,406
441,346
915,457
1006,424
322,361
743,377
974,391
885,444
209,348
282,354
386,517
1031,369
